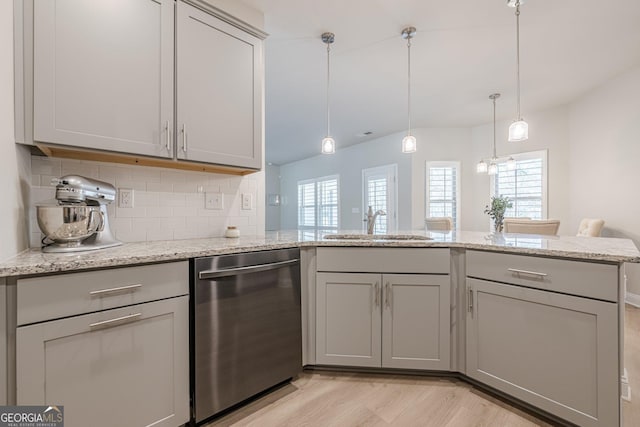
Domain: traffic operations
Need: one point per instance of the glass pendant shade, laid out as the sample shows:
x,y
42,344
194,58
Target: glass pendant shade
x,y
511,164
409,144
328,145
481,167
493,168
518,131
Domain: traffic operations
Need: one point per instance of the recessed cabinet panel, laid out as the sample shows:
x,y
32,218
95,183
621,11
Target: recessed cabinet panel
x,y
121,367
415,325
554,351
103,74
219,91
348,319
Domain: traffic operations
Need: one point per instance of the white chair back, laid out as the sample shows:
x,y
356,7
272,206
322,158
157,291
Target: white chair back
x,y
532,226
439,223
590,227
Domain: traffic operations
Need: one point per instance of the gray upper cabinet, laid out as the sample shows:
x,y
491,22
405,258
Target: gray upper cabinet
x,y
103,74
155,80
219,90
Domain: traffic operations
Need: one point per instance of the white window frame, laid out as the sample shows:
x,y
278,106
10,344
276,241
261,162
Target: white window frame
x,y
391,171
315,181
540,154
445,164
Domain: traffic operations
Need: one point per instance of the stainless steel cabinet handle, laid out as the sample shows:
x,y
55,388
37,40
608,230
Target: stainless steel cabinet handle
x,y
470,304
376,289
166,128
531,273
115,322
119,290
387,295
184,138
212,274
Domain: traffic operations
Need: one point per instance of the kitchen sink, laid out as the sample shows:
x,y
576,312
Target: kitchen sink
x,y
376,237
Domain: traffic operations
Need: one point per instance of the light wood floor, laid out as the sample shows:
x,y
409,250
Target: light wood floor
x,y
349,399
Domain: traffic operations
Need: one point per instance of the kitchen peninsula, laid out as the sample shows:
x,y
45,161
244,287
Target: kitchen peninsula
x,y
535,318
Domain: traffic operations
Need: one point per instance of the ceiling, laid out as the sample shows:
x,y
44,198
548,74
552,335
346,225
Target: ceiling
x,y
462,52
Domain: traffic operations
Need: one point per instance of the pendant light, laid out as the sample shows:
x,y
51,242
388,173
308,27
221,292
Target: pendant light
x,y
328,145
409,143
492,167
519,129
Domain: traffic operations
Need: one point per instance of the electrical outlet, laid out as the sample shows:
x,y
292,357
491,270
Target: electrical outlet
x,y
247,201
214,201
125,197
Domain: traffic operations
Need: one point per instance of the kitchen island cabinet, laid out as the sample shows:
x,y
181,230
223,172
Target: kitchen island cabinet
x,y
557,352
539,325
386,319
126,365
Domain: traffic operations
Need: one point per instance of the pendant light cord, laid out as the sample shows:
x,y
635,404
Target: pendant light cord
x,y
494,128
518,58
409,81
328,88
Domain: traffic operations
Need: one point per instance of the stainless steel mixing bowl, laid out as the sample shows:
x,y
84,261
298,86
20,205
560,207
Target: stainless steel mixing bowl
x,y
68,223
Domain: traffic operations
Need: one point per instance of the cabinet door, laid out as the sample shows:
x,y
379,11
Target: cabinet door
x,y
416,321
554,351
219,91
103,74
130,370
348,319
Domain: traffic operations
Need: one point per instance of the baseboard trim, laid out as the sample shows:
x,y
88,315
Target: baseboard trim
x,y
632,299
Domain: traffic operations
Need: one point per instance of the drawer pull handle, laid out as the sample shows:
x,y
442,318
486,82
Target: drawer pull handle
x,y
119,290
531,273
115,322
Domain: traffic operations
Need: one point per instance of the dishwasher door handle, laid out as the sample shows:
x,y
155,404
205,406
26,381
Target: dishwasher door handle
x,y
213,274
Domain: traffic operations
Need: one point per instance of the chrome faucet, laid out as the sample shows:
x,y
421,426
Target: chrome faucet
x,y
371,219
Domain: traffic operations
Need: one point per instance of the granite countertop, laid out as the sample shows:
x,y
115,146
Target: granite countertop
x,y
598,249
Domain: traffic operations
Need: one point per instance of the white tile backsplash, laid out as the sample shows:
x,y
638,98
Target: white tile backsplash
x,y
168,204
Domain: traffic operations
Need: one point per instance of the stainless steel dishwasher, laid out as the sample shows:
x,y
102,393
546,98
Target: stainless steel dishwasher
x,y
246,334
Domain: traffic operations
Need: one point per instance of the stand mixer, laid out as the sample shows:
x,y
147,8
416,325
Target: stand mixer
x,y
77,220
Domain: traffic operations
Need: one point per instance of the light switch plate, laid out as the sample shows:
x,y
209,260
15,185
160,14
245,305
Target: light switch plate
x,y
125,197
247,201
214,201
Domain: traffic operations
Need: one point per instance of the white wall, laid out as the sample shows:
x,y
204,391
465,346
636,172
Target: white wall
x,y
168,203
349,163
605,160
272,186
14,159
548,130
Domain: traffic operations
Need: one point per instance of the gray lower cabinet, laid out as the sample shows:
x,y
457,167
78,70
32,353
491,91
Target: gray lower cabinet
x,y
555,351
383,320
111,346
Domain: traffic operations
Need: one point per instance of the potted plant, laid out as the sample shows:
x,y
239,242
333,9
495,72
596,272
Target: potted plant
x,y
496,212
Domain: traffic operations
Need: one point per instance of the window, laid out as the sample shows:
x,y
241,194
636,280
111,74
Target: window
x,y
443,190
318,203
526,185
379,191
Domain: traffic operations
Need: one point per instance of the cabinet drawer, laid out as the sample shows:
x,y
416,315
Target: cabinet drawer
x,y
384,260
571,277
44,298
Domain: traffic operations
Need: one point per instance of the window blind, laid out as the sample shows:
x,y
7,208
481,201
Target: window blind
x,y
318,205
524,186
443,192
377,198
